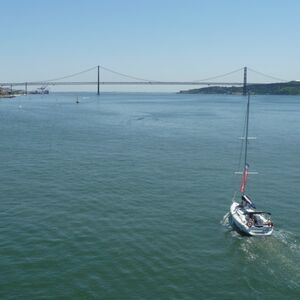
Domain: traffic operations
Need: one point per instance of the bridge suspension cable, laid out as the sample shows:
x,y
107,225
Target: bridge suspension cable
x,y
71,75
125,75
150,80
157,81
101,67
133,77
266,75
219,76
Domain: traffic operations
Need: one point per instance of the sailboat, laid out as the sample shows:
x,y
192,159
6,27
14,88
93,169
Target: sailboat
x,y
244,216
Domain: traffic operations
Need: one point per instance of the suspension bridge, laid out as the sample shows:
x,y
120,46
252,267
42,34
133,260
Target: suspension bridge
x,y
137,80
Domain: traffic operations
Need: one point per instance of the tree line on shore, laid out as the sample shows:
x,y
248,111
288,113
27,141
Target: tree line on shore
x,y
282,88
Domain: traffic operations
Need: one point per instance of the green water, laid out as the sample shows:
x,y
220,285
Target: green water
x,y
124,196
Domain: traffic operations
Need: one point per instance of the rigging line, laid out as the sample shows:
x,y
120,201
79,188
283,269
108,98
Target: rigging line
x,y
218,76
266,75
240,154
125,75
242,144
71,75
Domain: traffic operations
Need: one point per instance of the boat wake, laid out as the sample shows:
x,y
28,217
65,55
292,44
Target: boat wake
x,y
225,221
281,252
289,239
280,238
277,256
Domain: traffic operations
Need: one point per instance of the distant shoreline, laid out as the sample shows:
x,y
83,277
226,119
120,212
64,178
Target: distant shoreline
x,y
286,88
7,96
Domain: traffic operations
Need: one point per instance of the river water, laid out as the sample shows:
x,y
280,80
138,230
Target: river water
x,y
124,196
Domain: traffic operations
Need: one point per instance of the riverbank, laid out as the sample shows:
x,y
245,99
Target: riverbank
x,y
282,88
7,96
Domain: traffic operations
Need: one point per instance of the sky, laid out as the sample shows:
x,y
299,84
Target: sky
x,y
158,39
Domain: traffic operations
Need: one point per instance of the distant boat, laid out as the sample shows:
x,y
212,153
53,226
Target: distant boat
x,y
243,215
40,91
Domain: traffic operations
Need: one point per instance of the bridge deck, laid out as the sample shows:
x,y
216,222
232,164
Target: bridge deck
x,y
52,83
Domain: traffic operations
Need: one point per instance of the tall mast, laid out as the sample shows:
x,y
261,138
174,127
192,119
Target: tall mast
x,y
246,166
247,129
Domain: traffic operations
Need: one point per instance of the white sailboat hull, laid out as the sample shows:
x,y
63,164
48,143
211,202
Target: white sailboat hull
x,y
239,220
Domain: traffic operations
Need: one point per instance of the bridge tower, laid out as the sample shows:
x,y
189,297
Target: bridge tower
x,y
245,82
98,82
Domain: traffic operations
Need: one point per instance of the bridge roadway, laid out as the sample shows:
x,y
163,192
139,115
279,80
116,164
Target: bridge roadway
x,y
53,83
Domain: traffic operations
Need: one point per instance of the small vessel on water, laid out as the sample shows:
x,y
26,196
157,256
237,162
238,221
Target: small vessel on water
x,y
40,91
243,215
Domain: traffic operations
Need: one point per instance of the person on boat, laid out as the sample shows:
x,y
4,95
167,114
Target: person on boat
x,y
250,221
269,223
257,221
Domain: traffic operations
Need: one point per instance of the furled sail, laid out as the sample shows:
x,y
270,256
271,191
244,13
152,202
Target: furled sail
x,y
244,179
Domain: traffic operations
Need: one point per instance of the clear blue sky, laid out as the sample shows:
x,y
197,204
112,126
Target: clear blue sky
x,y
157,39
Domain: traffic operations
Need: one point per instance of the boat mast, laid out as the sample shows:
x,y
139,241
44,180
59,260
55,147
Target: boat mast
x,y
246,166
246,133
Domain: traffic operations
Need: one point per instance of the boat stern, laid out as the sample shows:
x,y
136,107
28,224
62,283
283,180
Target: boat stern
x,y
261,231
243,221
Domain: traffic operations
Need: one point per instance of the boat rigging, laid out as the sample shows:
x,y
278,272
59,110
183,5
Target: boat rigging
x,y
244,217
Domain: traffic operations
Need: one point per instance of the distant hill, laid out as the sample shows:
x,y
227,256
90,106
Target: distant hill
x,y
286,88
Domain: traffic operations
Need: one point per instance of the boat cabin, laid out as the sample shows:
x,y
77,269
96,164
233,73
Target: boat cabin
x,y
259,219
247,202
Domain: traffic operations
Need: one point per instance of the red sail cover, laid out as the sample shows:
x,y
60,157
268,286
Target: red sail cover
x,y
244,179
